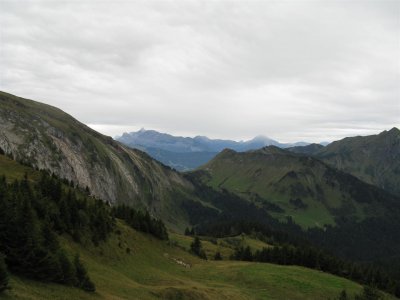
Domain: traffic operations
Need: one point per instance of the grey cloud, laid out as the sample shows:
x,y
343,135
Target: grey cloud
x,y
293,70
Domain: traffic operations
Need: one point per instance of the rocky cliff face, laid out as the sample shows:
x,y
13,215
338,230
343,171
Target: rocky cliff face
x,y
47,138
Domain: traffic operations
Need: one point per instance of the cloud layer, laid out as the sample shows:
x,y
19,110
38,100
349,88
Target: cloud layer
x,y
292,70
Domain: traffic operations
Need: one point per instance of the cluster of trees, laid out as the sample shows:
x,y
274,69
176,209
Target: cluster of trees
x,y
197,248
28,240
141,221
82,217
316,259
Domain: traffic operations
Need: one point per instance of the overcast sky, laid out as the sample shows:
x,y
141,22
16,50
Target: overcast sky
x,y
291,70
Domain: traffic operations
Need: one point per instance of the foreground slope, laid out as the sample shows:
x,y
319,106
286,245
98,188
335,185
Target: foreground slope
x,y
47,138
151,271
374,159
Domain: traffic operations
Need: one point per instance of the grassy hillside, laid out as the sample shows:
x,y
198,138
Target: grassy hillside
x,y
151,271
374,159
288,184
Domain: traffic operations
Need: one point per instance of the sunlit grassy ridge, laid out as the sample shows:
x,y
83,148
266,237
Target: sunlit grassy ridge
x,y
304,188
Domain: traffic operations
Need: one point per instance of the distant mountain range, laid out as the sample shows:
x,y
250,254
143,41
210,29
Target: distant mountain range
x,y
374,159
186,153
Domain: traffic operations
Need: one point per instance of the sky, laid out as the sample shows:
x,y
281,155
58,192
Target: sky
x,y
291,70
